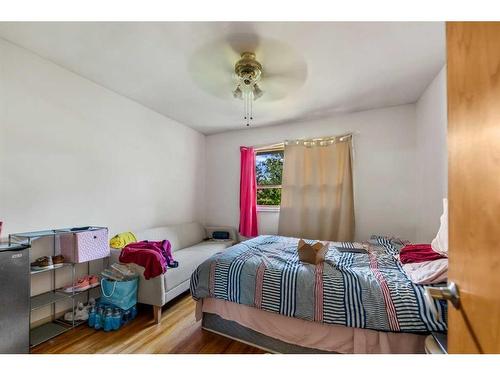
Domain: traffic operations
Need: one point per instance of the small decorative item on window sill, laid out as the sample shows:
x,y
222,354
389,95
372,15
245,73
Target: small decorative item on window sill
x,y
312,254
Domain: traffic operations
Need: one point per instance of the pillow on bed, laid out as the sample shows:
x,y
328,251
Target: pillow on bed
x,y
440,243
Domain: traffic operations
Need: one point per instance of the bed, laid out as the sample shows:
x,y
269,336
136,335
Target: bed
x,y
259,292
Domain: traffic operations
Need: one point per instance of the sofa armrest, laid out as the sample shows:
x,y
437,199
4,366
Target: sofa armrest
x,y
152,291
232,231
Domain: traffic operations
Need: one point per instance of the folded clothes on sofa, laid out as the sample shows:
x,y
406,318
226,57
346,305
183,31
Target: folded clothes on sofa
x,y
154,256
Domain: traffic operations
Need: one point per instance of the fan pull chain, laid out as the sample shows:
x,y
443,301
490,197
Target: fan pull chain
x,y
251,105
245,107
247,100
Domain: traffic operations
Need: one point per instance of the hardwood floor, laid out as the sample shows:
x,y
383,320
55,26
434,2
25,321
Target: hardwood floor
x,y
178,332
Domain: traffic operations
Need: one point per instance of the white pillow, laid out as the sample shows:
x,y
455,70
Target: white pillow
x,y
440,243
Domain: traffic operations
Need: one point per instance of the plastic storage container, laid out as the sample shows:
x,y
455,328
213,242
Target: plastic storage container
x,y
84,246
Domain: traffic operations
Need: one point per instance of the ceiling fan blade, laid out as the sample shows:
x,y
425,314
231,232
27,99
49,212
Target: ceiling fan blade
x,y
297,73
279,87
243,42
279,60
212,68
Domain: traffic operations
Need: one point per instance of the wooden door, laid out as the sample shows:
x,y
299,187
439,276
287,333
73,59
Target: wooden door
x,y
474,184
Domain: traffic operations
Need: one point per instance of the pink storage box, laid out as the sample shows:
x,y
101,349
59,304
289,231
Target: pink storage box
x,y
80,247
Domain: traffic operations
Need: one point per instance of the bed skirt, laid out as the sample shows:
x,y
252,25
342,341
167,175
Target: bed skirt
x,y
282,334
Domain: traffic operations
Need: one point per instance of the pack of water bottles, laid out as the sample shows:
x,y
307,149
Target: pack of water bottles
x,y
109,317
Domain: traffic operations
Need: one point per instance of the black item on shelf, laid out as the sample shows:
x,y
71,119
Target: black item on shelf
x,y
77,229
220,235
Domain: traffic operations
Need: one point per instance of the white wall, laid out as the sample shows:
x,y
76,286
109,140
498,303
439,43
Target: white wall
x,y
384,169
432,157
73,153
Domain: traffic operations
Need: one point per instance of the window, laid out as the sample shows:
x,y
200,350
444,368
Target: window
x,y
269,170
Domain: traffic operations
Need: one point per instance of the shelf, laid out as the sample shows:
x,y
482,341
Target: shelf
x,y
30,236
45,299
46,332
5,246
80,322
70,324
51,297
58,325
70,294
62,265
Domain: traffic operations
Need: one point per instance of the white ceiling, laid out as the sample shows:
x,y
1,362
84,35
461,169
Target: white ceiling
x,y
350,66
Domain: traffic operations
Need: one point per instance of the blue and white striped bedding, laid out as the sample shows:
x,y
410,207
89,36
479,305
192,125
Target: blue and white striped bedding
x,y
352,289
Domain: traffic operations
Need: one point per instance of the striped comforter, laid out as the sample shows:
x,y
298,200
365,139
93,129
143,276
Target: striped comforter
x,y
352,289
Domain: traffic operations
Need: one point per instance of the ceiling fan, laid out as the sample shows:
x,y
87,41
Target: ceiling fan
x,y
248,72
248,67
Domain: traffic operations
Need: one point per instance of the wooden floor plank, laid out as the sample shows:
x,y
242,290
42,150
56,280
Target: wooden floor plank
x,y
178,332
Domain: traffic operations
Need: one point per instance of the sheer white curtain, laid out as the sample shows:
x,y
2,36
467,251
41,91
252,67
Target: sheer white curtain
x,y
317,191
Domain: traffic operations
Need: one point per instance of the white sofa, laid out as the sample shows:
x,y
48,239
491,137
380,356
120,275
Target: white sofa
x,y
190,248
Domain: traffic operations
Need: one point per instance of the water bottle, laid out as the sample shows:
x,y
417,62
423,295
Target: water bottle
x,y
117,319
92,315
99,318
108,320
126,317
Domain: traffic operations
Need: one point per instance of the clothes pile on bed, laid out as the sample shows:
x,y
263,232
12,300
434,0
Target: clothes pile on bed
x,y
428,263
423,265
355,289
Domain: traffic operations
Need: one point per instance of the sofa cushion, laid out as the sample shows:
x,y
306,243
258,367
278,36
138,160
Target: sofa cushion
x,y
159,234
190,258
189,234
179,235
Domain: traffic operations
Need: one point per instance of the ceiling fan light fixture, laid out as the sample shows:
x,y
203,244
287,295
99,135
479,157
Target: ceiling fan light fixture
x,y
237,93
248,72
257,92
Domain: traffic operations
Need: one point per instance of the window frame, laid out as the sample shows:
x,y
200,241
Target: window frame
x,y
267,150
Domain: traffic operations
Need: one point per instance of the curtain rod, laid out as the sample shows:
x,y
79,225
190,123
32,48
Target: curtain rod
x,y
322,141
269,147
319,139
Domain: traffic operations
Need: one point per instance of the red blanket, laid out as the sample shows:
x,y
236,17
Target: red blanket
x,y
418,253
148,254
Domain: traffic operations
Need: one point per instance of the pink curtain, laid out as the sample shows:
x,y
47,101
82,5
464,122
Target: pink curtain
x,y
248,193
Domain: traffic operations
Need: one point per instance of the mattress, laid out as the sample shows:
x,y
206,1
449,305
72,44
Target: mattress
x,y
356,290
282,334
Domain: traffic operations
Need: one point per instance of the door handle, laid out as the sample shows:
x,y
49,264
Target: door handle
x,y
449,293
